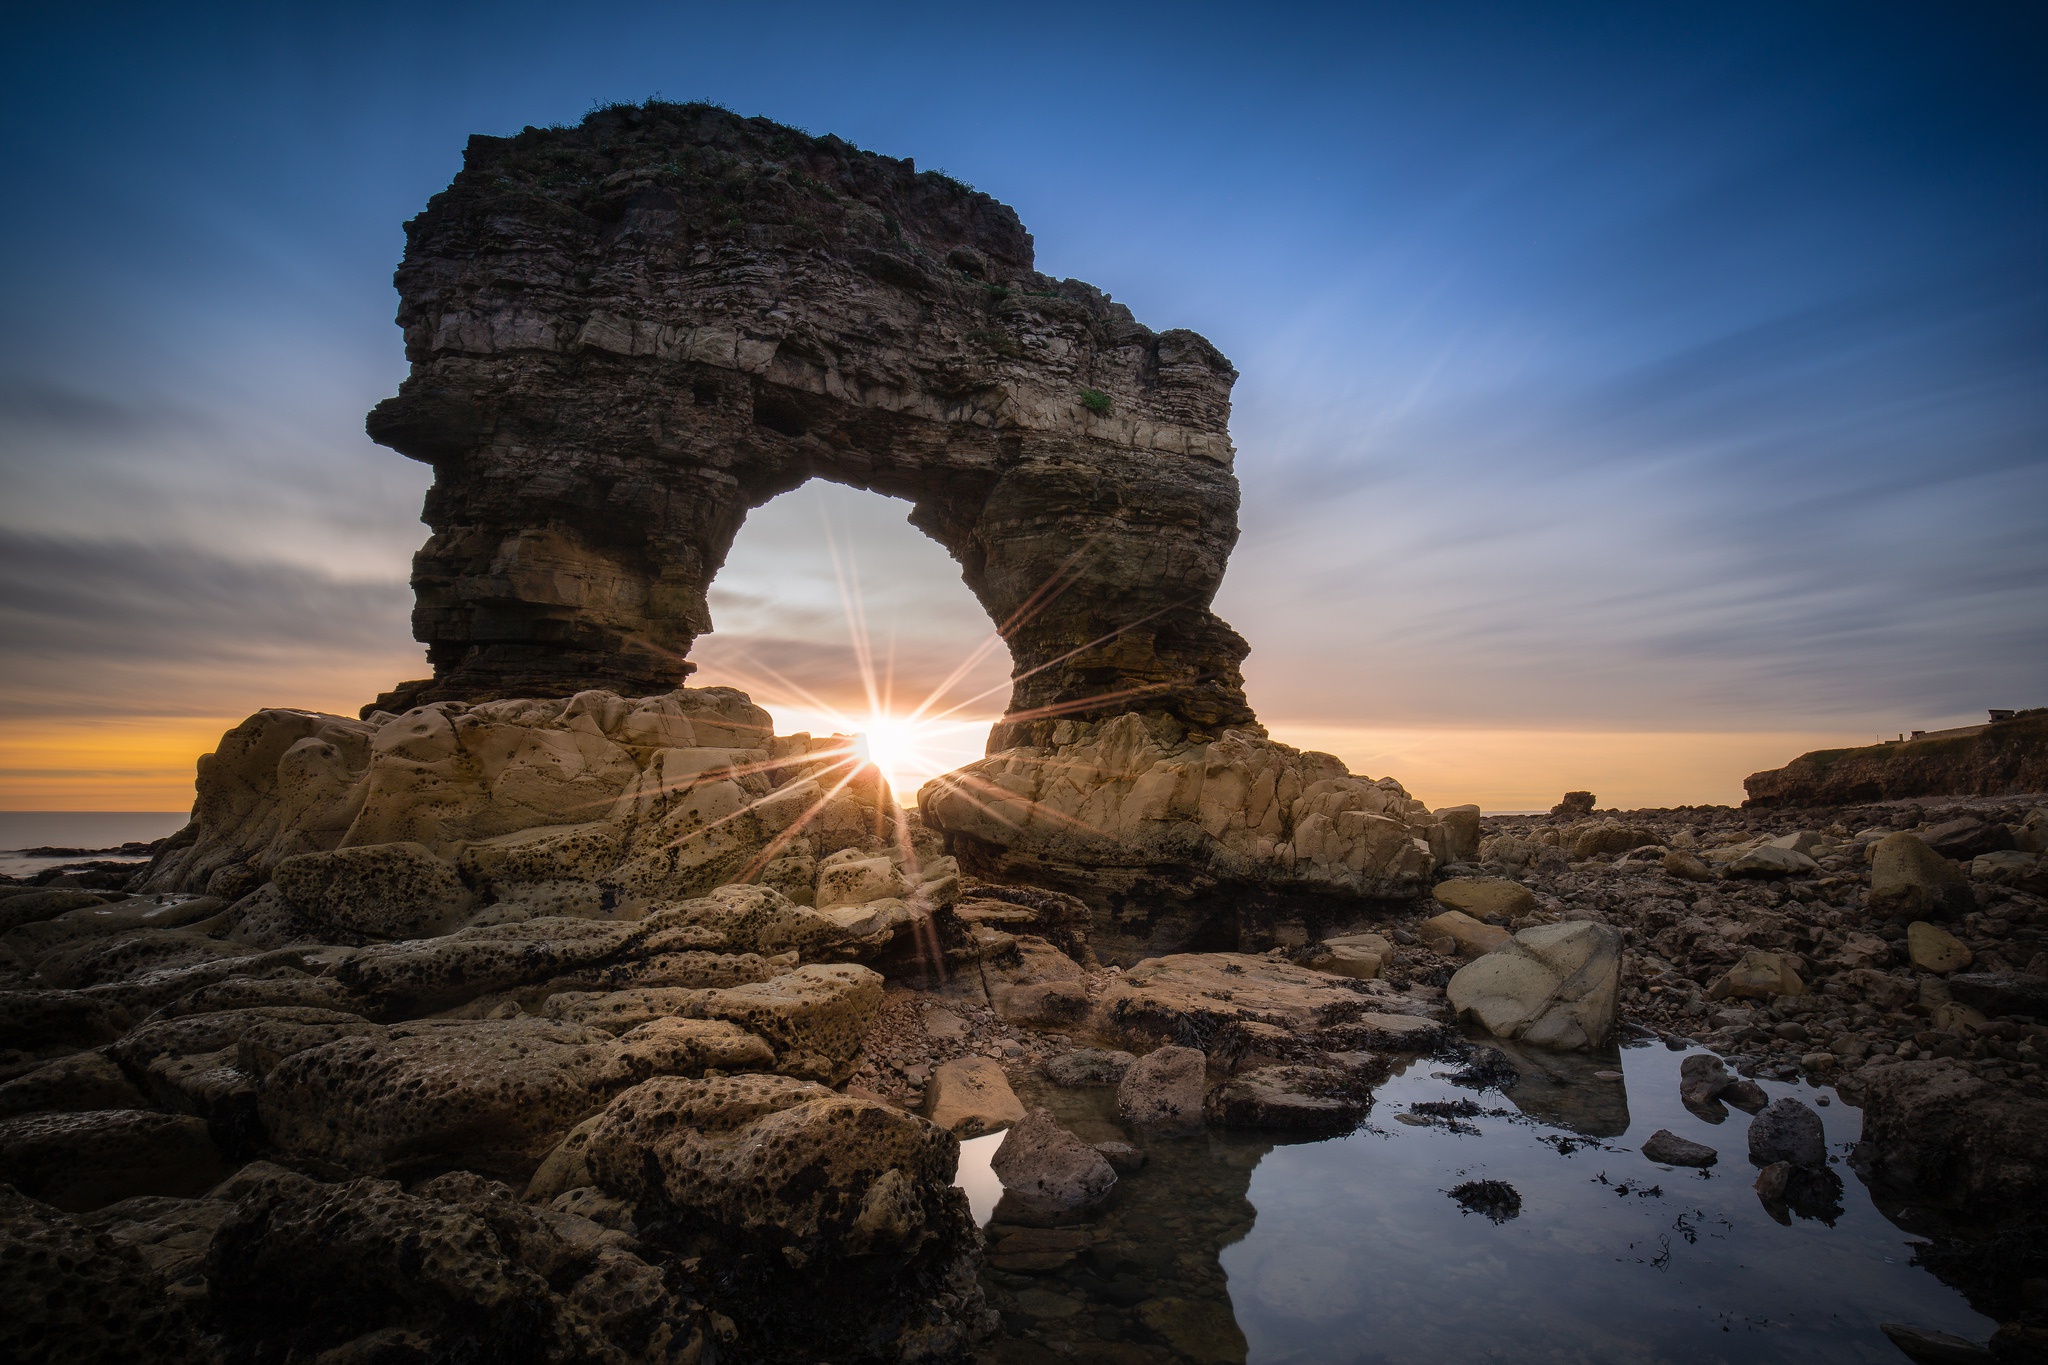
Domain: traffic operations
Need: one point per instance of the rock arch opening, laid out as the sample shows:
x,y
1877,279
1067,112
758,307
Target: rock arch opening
x,y
839,617
627,335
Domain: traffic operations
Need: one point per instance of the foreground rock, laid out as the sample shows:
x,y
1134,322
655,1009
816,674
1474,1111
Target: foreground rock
x,y
1050,1177
1163,1091
1555,986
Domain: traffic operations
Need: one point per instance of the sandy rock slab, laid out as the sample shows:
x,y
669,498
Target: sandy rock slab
x,y
1189,996
1553,986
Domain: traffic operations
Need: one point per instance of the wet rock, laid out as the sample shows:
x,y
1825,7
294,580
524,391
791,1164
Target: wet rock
x,y
1788,1131
1909,878
1163,1090
1305,1099
1464,935
1933,949
80,1161
1787,1188
1122,1157
1932,1129
1701,1079
1034,1250
1553,986
33,905
1050,1177
969,1096
1746,1095
1669,1149
395,890
1484,898
72,1293
1088,1066
1759,975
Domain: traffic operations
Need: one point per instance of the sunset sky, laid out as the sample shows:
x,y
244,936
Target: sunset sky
x,y
1633,396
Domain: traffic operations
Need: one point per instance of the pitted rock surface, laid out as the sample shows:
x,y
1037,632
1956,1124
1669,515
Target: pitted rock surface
x,y
781,1160
626,335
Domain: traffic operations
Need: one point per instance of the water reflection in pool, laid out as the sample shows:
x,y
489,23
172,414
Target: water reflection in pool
x,y
1230,1248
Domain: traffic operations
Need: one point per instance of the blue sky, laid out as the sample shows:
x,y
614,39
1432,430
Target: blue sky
x,y
1604,366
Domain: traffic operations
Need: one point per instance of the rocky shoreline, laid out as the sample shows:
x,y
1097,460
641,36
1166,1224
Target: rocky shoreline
x,y
381,1102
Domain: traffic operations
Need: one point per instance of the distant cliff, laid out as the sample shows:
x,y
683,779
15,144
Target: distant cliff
x,y
1983,760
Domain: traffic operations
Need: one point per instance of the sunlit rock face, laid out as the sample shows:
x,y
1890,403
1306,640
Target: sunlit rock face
x,y
592,807
1180,833
627,334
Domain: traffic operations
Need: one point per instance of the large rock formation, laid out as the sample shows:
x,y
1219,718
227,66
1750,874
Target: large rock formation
x,y
1186,841
2003,757
627,334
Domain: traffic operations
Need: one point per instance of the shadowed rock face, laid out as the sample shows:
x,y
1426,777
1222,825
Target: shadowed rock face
x,y
626,335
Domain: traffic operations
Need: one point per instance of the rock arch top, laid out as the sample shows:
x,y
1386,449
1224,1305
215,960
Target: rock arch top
x,y
627,334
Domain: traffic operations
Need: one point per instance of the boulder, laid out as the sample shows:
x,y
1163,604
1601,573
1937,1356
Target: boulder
x,y
1758,976
1771,860
1934,949
851,877
395,890
1610,837
1289,1098
1553,986
969,1096
1466,936
1667,1148
1088,1066
1965,838
1805,841
1188,996
1575,805
1485,897
1163,1090
86,1160
1355,960
1685,867
1909,878
1456,837
1788,1131
1050,1177
1701,1079
2002,993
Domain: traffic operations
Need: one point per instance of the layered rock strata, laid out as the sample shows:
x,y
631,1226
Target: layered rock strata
x,y
627,334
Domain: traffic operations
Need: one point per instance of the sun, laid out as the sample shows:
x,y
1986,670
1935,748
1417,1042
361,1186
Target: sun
x,y
909,751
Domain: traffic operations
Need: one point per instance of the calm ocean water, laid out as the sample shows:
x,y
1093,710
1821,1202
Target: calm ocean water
x,y
21,829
